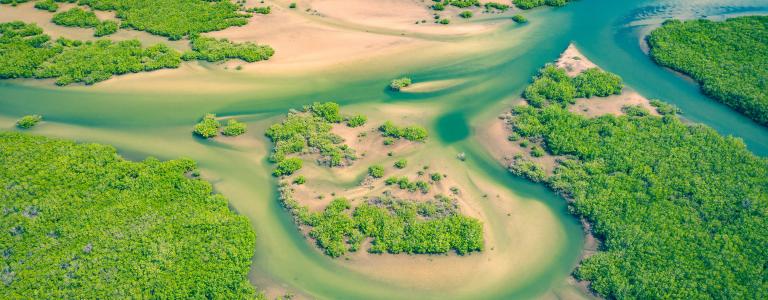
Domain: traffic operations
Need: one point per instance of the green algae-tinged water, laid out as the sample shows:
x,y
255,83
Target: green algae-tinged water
x,y
158,124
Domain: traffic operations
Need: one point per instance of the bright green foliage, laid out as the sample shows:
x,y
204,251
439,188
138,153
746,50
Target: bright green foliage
x,y
208,126
23,47
264,10
664,108
76,17
288,166
395,226
398,84
376,171
300,180
292,5
81,222
528,4
91,62
444,21
411,133
551,84
496,5
466,14
635,111
594,82
681,210
234,128
520,19
463,3
173,18
301,132
48,5
729,59
211,49
28,121
105,28
357,121
326,110
525,168
401,163
438,6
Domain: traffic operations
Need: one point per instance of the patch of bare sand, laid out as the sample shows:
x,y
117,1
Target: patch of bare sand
x,y
598,106
397,15
431,86
573,61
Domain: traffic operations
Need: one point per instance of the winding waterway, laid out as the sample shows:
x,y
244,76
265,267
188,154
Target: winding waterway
x,y
157,123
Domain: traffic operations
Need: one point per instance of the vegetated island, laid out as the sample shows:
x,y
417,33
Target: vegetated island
x,y
729,59
680,210
29,53
411,211
79,221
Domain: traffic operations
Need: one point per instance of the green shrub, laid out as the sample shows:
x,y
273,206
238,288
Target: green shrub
x,y
213,50
438,6
327,110
28,121
551,85
411,133
300,180
528,4
264,10
635,111
664,108
436,177
208,126
48,5
234,128
444,21
462,3
292,5
519,19
496,5
376,171
466,14
288,166
401,163
594,82
398,84
357,121
105,28
76,17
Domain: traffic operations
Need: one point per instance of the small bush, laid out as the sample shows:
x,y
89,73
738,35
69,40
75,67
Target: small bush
x,y
105,28
357,121
28,121
300,180
234,128
376,171
48,5
466,14
401,164
398,84
288,166
520,19
208,127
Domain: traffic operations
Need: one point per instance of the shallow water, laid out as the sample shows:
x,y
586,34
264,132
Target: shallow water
x,y
158,122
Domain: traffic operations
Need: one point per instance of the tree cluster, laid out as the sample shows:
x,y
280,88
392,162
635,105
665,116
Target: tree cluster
x,y
729,59
81,222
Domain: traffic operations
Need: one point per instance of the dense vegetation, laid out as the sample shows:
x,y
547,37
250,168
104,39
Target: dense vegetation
x,y
173,18
729,59
80,222
412,133
681,211
211,49
28,53
553,85
309,132
234,128
393,225
76,17
528,4
28,121
48,5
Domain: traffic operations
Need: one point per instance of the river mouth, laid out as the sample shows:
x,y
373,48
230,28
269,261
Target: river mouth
x,y
533,253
